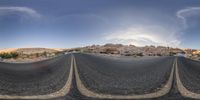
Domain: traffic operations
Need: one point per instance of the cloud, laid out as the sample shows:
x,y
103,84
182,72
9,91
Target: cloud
x,y
144,35
22,10
187,12
154,34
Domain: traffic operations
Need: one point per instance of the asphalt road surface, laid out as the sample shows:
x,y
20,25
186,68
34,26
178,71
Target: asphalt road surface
x,y
123,75
189,71
37,78
100,74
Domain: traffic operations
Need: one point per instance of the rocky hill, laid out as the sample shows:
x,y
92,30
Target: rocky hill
x,y
131,50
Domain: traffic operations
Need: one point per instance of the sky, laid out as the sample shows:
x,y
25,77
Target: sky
x,y
77,23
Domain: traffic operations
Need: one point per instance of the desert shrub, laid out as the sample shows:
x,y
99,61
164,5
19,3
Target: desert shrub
x,y
37,54
139,54
159,54
9,55
14,54
44,53
172,53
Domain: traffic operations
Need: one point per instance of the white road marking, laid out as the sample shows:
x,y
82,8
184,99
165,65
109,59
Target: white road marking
x,y
62,92
184,92
84,91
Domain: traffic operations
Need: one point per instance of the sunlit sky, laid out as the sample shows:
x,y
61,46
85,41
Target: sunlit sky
x,y
75,23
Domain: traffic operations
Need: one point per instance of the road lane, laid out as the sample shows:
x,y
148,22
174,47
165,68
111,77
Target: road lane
x,y
189,72
32,79
187,77
123,76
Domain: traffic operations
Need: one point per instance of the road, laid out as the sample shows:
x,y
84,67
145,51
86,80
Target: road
x,y
123,75
37,78
96,77
189,71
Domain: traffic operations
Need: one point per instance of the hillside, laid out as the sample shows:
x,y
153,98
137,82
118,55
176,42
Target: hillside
x,y
8,50
28,54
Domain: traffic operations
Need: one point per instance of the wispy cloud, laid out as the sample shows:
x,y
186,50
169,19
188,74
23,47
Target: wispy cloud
x,y
154,34
22,10
144,35
187,12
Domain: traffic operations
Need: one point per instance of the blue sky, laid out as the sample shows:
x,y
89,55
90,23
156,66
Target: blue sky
x,y
75,23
